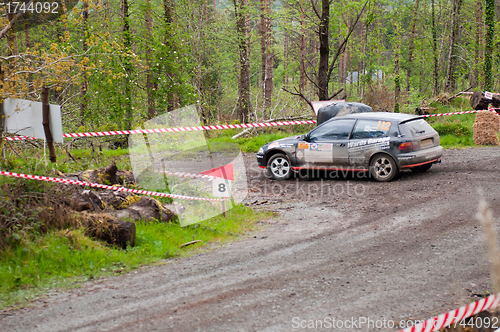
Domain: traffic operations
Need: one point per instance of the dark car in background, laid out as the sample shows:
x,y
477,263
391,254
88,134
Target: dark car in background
x,y
377,142
339,109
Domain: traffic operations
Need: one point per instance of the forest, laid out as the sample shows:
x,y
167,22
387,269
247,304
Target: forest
x,y
112,64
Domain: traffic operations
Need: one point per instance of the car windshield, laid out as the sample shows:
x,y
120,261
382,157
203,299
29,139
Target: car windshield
x,y
417,127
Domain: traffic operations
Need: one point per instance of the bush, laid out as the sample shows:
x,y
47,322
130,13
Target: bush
x,y
455,129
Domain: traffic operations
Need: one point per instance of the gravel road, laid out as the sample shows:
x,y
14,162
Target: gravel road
x,y
347,250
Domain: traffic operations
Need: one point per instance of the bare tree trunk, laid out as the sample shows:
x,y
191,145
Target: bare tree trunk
x,y
411,45
489,44
478,49
28,45
324,50
267,54
302,48
243,33
343,68
2,117
269,80
450,71
435,88
168,20
397,54
127,42
285,48
149,61
83,86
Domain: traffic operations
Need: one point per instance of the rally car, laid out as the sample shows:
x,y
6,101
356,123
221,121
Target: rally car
x,y
377,142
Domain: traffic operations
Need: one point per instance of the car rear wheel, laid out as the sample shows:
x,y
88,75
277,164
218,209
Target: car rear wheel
x,y
421,169
279,167
383,168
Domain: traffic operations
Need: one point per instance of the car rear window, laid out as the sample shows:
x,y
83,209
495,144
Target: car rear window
x,y
417,127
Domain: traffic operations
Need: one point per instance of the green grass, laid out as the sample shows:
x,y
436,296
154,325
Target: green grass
x,y
65,257
250,144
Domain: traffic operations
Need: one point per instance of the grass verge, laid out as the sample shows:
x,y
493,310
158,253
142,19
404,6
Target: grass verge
x,y
66,257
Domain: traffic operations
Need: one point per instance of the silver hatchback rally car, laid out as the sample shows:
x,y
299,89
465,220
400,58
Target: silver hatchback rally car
x,y
377,142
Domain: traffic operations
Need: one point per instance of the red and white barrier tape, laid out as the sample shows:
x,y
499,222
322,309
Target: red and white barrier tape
x,y
189,175
217,127
453,316
103,186
179,129
469,93
455,113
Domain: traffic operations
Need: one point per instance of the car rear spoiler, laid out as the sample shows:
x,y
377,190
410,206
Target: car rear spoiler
x,y
412,119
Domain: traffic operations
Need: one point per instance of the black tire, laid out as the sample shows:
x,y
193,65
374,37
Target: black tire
x,y
422,168
383,168
279,167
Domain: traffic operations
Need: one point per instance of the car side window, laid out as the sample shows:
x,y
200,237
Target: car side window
x,y
371,128
334,130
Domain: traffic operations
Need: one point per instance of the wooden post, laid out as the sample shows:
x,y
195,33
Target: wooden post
x,y
2,117
46,124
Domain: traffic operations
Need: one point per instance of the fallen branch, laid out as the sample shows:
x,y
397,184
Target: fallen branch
x,y
458,94
189,243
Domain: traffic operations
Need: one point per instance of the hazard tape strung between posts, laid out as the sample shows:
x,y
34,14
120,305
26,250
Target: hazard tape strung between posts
x,y
177,129
453,316
469,93
103,186
189,175
455,113
217,127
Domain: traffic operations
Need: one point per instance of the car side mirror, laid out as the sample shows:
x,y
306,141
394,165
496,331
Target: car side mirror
x,y
306,137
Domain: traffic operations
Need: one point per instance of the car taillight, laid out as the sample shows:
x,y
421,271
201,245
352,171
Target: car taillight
x,y
406,146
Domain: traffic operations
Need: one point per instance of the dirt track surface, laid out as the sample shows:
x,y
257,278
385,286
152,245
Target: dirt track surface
x,y
408,249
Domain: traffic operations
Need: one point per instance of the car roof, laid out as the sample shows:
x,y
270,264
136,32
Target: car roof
x,y
399,117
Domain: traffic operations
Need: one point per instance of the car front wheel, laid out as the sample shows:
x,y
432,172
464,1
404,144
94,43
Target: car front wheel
x,y
383,168
279,167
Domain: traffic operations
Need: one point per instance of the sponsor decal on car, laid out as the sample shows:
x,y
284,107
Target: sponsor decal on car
x,y
325,146
273,145
377,143
315,146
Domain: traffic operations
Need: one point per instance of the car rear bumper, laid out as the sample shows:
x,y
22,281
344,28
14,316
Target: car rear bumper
x,y
418,158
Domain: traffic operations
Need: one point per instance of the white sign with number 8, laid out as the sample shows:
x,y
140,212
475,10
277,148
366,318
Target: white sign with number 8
x,y
221,187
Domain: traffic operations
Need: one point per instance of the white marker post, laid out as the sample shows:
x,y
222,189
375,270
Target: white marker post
x,y
222,188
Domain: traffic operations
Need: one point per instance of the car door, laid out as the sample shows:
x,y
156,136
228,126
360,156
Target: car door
x,y
327,144
368,137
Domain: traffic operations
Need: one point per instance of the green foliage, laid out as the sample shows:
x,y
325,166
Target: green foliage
x,y
60,257
454,129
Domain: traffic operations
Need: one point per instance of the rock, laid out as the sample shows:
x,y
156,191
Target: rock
x,y
87,200
118,200
479,102
104,175
110,229
147,209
